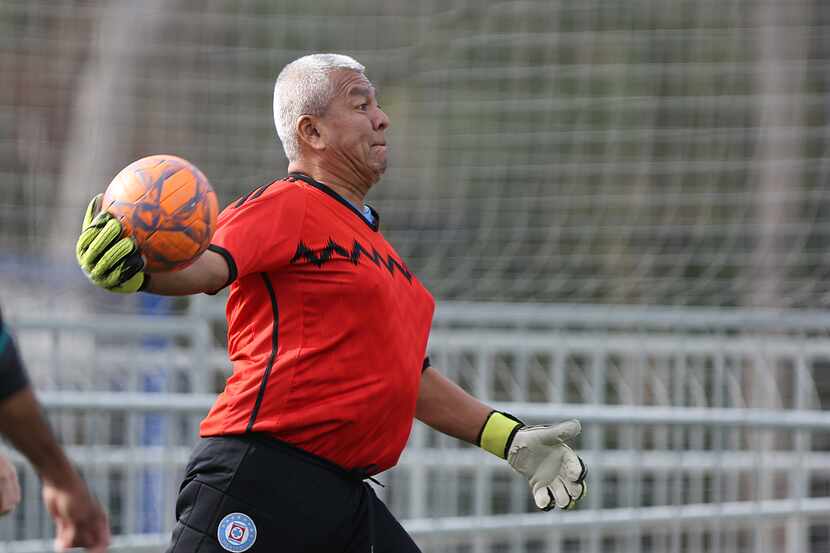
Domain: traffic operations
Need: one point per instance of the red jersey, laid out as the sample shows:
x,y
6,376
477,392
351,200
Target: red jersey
x,y
327,327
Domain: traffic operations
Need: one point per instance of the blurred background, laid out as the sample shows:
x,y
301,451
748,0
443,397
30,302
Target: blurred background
x,y
621,207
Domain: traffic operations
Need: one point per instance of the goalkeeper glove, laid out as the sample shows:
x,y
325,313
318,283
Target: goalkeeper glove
x,y
108,260
539,453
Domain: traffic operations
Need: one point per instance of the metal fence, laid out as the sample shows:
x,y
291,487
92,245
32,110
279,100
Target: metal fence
x,y
702,429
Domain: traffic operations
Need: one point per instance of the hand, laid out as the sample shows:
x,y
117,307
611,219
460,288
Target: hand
x,y
9,487
555,472
79,519
108,260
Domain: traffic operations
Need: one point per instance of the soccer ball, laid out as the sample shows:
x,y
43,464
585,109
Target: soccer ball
x,y
167,204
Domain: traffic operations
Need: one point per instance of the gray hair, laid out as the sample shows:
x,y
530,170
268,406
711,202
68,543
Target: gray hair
x,y
303,88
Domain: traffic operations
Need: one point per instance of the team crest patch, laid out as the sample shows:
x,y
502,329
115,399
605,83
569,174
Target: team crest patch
x,y
236,533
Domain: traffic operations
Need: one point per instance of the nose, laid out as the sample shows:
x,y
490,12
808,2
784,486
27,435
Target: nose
x,y
381,120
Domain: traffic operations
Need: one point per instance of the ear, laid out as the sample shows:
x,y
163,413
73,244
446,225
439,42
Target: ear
x,y
308,132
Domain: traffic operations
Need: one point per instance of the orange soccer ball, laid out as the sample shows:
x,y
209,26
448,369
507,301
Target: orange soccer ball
x,y
167,204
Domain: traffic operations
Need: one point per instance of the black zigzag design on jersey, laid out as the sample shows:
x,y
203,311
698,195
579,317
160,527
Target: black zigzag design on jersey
x,y
323,255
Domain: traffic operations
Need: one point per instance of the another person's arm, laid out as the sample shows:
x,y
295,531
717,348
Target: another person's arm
x,y
540,453
9,486
79,519
13,378
24,425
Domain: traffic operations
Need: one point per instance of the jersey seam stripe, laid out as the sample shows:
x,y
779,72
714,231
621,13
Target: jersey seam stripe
x,y
274,346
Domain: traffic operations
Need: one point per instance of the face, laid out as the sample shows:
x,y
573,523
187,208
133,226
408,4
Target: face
x,y
352,131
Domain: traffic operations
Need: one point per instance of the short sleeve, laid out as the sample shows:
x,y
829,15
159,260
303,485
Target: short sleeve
x,y
260,232
13,376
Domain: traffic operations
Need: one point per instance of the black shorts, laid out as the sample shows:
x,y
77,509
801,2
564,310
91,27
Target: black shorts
x,y
256,494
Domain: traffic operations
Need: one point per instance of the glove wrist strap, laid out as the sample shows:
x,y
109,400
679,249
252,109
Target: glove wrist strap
x,y
145,283
497,433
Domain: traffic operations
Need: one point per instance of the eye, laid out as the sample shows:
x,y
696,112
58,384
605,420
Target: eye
x,y
363,107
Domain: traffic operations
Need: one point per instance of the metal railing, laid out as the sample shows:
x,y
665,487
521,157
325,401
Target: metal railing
x,y
702,429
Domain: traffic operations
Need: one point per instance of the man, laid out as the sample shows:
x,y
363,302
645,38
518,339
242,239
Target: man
x,y
79,519
327,332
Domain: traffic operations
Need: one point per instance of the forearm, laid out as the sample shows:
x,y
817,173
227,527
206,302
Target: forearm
x,y
177,283
446,407
208,273
24,424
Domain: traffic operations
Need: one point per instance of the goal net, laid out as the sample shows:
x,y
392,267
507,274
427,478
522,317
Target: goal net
x,y
644,152
666,155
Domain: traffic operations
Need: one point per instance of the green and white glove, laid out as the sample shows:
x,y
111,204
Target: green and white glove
x,y
108,260
539,453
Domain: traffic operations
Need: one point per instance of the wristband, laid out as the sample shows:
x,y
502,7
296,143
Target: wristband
x,y
497,433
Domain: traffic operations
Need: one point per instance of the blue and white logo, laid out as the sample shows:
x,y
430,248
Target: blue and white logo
x,y
237,533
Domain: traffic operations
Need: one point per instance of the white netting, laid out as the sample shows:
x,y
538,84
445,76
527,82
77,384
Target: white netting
x,y
653,152
647,152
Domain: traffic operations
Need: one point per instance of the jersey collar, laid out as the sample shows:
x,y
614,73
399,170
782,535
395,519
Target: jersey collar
x,y
374,225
